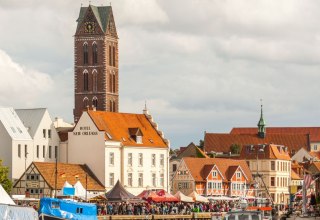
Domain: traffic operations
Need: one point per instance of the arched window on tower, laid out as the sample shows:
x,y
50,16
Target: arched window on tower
x,y
94,53
110,56
95,102
111,105
85,81
85,103
110,82
95,80
114,82
85,53
114,56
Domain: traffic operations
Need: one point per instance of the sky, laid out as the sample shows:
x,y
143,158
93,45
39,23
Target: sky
x,y
200,65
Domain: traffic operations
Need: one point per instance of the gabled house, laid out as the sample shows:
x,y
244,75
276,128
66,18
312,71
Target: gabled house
x,y
271,166
190,151
15,142
39,179
41,129
212,176
121,146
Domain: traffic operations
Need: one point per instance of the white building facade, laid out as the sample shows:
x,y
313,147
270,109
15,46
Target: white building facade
x,y
24,134
121,146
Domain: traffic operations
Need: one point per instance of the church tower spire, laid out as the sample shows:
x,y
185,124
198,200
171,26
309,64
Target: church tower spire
x,y
96,66
261,124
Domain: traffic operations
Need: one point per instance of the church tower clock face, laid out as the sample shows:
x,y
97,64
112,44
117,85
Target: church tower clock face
x,y
89,27
96,66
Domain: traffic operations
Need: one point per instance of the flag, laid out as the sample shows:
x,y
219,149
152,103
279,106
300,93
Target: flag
x,y
307,179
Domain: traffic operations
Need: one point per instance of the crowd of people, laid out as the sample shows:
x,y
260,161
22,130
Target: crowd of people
x,y
162,208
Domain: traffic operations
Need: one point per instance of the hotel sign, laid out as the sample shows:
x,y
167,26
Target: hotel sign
x,y
85,130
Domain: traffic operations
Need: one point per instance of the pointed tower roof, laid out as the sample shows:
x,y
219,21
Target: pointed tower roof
x,y
261,121
102,14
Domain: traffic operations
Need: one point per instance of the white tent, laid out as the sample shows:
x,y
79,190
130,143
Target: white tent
x,y
196,197
8,212
225,198
4,197
80,191
182,197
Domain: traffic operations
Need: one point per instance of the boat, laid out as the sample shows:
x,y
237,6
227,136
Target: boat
x,y
57,209
243,215
266,211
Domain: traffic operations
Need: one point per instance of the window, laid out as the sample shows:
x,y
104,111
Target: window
x,y
140,159
209,185
129,179
140,180
50,152
25,151
315,147
85,81
37,151
139,139
111,179
272,181
79,210
44,151
85,103
238,175
113,56
110,82
113,83
130,159
153,159
273,165
49,133
161,160
161,179
85,53
95,102
95,81
44,133
19,150
214,174
94,53
110,56
174,167
56,152
111,158
154,179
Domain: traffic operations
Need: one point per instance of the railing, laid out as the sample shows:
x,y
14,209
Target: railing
x,y
204,215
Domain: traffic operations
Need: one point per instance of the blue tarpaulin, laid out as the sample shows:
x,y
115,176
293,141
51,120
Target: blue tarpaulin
x,y
68,191
68,209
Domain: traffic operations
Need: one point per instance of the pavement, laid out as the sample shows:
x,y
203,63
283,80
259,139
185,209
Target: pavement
x,y
302,218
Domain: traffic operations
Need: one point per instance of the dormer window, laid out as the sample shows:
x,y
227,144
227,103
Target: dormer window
x,y
136,134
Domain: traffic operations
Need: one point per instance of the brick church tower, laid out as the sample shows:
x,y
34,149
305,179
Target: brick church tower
x,y
96,75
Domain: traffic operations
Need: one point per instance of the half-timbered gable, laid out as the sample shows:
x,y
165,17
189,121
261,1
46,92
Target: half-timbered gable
x,y
41,179
214,179
238,180
183,180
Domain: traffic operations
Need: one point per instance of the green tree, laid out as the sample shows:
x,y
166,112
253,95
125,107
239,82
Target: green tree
x,y
4,180
235,149
201,144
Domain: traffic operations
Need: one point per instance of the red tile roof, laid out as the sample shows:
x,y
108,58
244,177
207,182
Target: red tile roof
x,y
118,125
222,142
313,131
315,154
198,167
68,172
270,152
295,176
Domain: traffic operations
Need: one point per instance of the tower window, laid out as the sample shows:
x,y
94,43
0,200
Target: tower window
x,y
113,83
85,53
95,81
95,53
85,103
113,56
85,81
95,102
110,56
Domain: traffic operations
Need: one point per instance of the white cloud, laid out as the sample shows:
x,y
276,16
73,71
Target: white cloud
x,y
20,85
